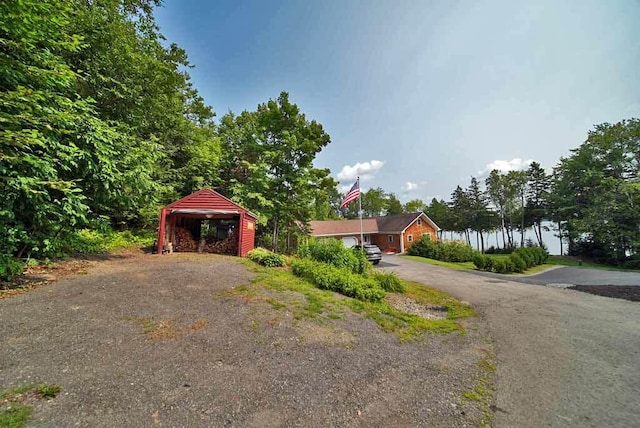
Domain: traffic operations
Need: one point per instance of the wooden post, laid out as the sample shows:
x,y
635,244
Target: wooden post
x,y
240,233
160,241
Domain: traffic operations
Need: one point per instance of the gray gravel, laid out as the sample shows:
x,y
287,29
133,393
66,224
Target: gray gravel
x,y
565,358
221,361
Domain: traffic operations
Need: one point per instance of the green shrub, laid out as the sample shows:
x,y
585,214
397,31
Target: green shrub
x,y
389,281
423,247
447,251
333,252
9,267
480,261
264,257
340,280
509,266
498,266
519,265
527,255
488,263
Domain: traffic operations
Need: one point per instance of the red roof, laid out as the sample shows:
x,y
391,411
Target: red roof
x,y
383,224
207,200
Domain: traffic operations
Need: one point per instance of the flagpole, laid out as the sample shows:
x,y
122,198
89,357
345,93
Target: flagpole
x,y
360,212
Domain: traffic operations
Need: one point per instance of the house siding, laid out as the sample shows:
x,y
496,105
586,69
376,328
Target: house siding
x,y
416,231
382,241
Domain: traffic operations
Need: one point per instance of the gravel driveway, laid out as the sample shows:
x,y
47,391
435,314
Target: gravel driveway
x,y
153,341
564,358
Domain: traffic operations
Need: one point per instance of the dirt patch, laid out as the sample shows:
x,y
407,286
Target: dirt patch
x,y
627,292
164,340
407,304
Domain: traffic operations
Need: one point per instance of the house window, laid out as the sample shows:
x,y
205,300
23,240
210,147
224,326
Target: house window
x,y
367,239
390,238
419,222
426,234
410,238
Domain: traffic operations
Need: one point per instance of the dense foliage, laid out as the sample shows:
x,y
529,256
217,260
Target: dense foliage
x,y
518,261
267,258
333,252
447,251
340,280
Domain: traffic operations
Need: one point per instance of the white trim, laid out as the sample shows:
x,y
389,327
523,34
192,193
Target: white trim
x,y
402,243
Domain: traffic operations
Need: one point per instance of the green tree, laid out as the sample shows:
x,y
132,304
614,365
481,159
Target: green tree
x,y
414,206
596,192
537,198
60,162
461,212
440,213
478,211
374,202
393,206
268,161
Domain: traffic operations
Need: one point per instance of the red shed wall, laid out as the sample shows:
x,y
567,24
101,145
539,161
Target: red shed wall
x,y
248,235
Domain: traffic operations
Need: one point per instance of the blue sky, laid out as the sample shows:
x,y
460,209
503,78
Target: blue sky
x,y
418,96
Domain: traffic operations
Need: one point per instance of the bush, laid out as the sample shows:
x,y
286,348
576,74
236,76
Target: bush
x,y
389,281
633,264
509,266
480,261
340,280
264,257
519,265
447,251
527,255
499,266
333,251
9,267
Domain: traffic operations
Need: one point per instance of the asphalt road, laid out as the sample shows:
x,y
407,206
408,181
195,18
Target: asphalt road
x,y
582,276
564,358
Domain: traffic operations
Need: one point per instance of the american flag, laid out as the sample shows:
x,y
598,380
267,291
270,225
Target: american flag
x,y
352,195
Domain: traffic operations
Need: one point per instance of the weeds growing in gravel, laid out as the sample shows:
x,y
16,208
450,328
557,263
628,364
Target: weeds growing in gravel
x,y
15,407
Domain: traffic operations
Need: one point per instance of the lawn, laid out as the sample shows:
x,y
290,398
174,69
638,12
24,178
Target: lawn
x,y
470,265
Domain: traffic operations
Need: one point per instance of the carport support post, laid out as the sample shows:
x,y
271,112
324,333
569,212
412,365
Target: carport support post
x,y
160,241
240,233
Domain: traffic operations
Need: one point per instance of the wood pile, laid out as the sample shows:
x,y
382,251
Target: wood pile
x,y
229,245
185,242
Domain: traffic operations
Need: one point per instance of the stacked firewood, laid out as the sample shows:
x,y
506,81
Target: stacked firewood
x,y
229,245
184,241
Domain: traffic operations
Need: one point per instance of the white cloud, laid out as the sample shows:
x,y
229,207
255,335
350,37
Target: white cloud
x,y
365,170
409,186
515,164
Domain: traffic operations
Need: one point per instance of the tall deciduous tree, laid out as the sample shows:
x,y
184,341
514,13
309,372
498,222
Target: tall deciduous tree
x,y
414,206
393,206
269,163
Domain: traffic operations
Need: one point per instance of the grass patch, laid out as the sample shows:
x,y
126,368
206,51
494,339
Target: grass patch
x,y
14,416
326,305
483,391
14,403
450,265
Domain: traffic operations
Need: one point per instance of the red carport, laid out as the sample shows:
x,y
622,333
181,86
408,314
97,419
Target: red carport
x,y
206,221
